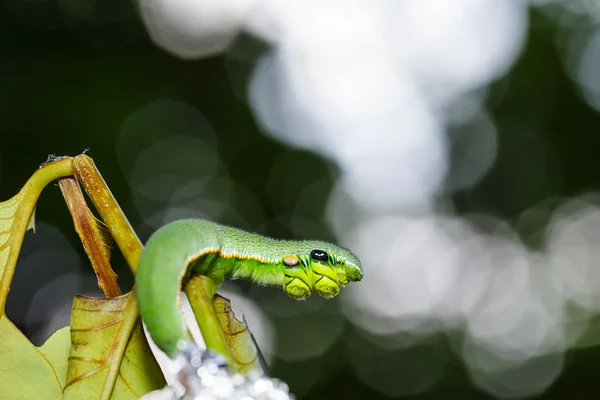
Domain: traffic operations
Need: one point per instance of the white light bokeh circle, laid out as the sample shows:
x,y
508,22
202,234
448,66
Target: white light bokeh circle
x,y
167,152
474,145
573,253
178,159
159,120
453,47
583,65
363,117
514,317
412,266
318,26
194,28
503,380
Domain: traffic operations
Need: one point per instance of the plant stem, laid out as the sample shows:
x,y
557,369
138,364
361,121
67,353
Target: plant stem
x,y
109,209
93,235
200,291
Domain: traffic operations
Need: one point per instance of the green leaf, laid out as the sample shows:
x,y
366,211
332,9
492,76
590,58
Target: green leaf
x,y
56,350
241,343
29,372
109,351
16,216
105,354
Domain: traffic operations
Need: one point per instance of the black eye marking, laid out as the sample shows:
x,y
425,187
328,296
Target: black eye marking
x,y
320,255
291,261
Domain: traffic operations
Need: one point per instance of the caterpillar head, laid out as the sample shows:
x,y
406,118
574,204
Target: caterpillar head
x,y
319,266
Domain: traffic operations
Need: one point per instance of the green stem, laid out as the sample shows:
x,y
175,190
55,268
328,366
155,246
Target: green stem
x,y
17,216
200,291
109,209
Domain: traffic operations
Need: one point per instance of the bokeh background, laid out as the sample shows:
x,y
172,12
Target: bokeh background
x,y
453,145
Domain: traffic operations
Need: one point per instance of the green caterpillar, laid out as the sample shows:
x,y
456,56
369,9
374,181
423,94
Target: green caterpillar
x,y
206,248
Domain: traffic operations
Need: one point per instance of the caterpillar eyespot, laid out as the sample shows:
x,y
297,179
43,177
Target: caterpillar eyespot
x,y
291,261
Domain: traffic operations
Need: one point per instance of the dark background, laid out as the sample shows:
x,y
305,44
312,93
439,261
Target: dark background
x,y
63,90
